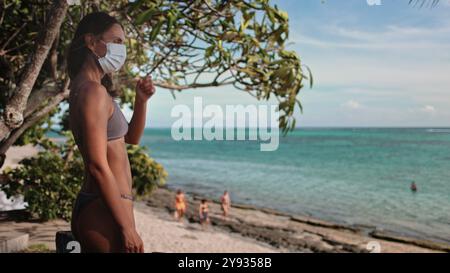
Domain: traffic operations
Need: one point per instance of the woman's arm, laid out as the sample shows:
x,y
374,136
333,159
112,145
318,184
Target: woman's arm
x,y
144,90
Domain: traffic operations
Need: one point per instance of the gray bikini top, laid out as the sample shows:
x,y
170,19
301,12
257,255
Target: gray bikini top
x,y
117,124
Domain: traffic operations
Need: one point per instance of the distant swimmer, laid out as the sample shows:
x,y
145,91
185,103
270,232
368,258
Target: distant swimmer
x,y
413,187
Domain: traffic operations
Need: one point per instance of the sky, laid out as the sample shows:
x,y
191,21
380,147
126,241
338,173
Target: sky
x,y
374,66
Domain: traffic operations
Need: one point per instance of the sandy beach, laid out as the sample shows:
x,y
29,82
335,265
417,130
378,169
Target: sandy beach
x,y
247,229
161,233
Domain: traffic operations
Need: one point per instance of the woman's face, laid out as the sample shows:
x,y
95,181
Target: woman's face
x,y
114,34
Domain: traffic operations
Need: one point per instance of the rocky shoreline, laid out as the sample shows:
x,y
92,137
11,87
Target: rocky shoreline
x,y
292,233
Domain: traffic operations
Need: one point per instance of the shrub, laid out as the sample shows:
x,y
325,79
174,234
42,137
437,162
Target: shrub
x,y
147,173
48,181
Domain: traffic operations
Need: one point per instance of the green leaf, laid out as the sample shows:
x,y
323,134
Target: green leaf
x,y
310,76
209,51
145,16
156,30
282,15
171,21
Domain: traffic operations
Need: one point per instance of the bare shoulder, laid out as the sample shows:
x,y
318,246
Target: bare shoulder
x,y
94,91
94,94
94,98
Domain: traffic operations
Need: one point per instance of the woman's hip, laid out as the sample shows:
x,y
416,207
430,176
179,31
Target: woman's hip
x,y
94,225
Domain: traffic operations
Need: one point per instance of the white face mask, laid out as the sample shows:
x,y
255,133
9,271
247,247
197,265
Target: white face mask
x,y
114,58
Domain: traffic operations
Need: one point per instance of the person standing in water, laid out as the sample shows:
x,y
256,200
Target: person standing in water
x,y
225,203
103,217
413,187
203,213
180,205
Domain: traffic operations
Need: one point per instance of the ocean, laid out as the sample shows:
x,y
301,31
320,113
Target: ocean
x,y
350,176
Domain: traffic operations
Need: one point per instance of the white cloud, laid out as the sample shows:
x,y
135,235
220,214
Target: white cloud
x,y
391,37
430,109
352,104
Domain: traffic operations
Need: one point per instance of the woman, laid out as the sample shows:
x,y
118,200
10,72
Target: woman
x,y
102,219
180,205
225,203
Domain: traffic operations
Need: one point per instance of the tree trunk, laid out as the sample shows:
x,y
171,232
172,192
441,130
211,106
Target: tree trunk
x,y
13,115
31,119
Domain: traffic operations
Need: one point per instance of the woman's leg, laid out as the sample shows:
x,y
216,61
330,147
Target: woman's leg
x,y
181,213
223,210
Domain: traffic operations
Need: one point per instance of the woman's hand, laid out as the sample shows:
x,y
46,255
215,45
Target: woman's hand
x,y
145,89
132,241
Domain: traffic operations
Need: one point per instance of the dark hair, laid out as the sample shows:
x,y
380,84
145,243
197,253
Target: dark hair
x,y
96,23
203,201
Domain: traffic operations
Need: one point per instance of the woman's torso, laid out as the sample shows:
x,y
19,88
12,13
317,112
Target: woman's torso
x,y
179,198
225,200
204,208
117,156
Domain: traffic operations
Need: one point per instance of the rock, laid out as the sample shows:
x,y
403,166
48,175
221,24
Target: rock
x,y
411,241
320,223
13,242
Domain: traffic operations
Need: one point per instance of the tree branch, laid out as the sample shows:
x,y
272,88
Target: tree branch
x,y
13,114
35,117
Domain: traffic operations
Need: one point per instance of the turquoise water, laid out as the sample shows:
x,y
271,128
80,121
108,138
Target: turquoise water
x,y
351,176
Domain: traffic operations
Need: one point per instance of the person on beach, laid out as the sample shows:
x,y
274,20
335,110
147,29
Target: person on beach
x,y
413,187
203,213
103,218
225,203
180,205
